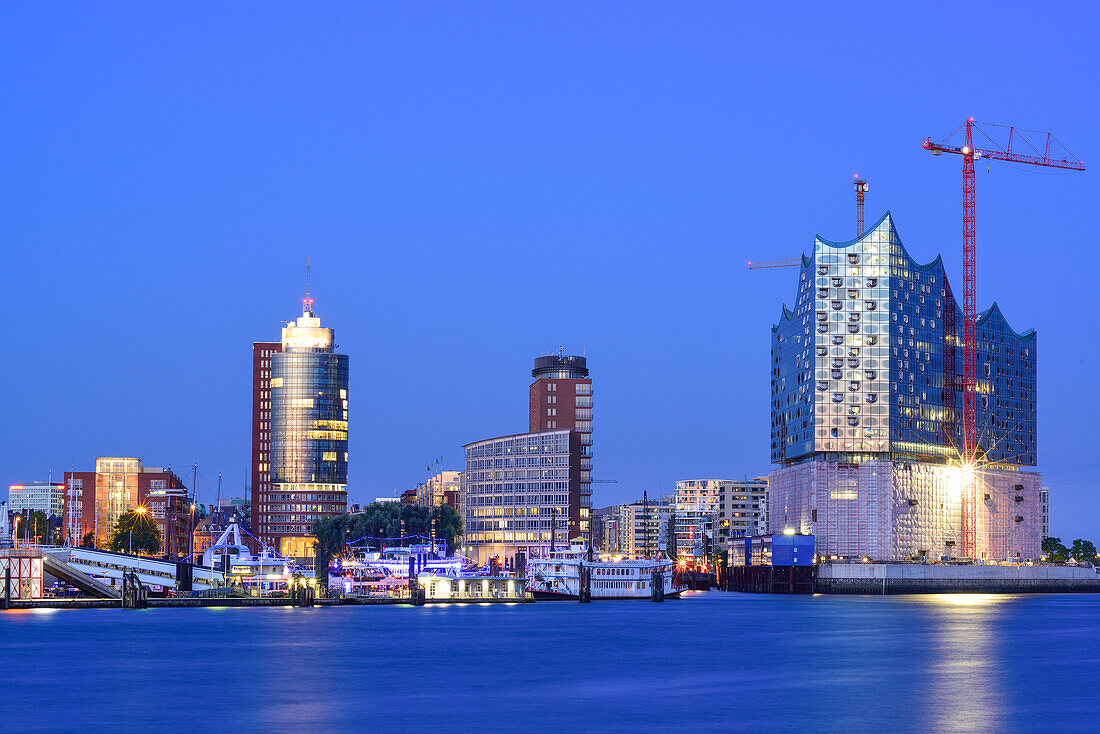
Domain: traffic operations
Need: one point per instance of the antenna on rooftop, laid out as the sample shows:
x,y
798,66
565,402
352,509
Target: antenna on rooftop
x,y
307,302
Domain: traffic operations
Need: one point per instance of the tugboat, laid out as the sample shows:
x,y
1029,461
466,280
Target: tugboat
x,y
558,576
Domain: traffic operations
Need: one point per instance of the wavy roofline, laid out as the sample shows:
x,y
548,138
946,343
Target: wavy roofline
x,y
854,240
985,315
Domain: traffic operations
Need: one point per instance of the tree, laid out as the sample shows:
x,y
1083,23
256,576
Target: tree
x,y
383,520
134,532
34,527
331,534
88,541
1083,550
448,524
1054,550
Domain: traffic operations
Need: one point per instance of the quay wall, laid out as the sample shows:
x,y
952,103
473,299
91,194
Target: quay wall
x,y
907,578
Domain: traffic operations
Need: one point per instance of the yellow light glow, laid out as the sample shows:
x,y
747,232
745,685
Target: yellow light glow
x,y
966,600
788,531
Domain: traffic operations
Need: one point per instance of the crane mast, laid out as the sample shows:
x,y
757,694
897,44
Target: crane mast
x,y
969,381
861,189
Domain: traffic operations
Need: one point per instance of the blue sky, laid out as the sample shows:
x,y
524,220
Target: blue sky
x,y
477,183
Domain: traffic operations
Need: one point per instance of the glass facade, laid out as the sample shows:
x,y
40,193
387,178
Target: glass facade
x,y
309,435
116,491
309,418
870,360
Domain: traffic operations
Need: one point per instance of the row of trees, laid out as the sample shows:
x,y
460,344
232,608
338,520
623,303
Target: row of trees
x,y
1081,551
386,520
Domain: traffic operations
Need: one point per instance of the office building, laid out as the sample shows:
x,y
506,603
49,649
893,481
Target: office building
x,y
517,486
523,493
95,500
867,411
47,497
300,434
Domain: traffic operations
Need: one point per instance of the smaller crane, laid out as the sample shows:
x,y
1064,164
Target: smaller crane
x,y
788,263
794,262
861,189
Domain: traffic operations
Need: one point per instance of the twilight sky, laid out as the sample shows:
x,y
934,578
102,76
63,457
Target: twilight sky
x,y
478,183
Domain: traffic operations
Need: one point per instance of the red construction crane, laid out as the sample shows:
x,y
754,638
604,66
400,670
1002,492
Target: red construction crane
x,y
969,381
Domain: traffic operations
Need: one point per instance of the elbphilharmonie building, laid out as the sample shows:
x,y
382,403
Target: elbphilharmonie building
x,y
867,411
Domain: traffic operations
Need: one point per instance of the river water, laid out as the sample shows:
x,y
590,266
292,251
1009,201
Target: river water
x,y
711,662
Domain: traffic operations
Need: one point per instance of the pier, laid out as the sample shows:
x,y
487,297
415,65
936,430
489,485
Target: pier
x,y
919,578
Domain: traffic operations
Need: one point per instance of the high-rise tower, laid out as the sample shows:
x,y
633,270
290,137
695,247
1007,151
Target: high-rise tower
x,y
561,397
303,474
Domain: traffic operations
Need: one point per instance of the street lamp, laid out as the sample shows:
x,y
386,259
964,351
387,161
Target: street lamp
x,y
140,511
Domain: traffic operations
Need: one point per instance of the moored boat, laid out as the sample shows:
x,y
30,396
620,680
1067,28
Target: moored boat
x,y
558,576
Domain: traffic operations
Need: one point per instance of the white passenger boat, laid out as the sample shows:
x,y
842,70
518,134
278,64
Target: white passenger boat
x,y
558,576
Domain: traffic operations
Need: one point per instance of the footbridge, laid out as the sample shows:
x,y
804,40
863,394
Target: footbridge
x,y
99,564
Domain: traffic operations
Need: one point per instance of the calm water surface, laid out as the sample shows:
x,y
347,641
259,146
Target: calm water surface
x,y
711,661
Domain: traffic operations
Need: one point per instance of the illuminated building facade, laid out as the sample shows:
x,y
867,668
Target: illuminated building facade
x,y
95,500
306,476
517,487
867,403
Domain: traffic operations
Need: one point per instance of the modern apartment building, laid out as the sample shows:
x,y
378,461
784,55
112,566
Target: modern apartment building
x,y
95,500
605,529
867,411
643,526
695,509
742,508
300,434
442,488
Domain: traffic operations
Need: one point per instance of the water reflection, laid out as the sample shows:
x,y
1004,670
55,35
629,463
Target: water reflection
x,y
967,684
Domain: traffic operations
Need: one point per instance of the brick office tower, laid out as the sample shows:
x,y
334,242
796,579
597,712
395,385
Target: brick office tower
x,y
261,434
561,397
300,434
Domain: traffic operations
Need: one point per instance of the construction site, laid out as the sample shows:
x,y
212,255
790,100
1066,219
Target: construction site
x,y
903,420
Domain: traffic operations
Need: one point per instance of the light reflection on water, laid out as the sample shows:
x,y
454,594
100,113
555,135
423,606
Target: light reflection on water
x,y
967,678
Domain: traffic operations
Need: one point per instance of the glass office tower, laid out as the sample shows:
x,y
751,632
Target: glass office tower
x,y
309,434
